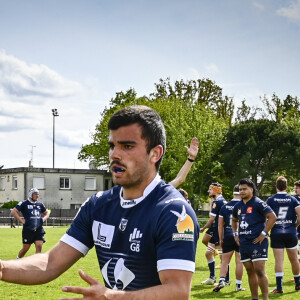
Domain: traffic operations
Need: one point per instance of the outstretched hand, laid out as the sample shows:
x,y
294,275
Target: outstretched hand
x,y
193,149
96,290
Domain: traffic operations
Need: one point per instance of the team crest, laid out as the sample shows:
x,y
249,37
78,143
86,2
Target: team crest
x,y
239,212
123,224
249,210
184,225
214,205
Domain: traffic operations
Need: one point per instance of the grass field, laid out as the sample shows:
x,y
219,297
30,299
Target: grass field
x,y
10,244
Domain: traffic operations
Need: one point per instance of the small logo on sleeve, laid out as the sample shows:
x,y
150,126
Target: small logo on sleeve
x,y
184,225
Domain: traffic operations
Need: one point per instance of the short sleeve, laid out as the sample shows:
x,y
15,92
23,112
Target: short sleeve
x,y
177,236
79,235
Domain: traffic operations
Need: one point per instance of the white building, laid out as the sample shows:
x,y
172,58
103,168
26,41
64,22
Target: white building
x,y
59,188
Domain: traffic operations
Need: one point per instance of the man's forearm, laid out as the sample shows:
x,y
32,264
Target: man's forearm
x,y
39,268
29,270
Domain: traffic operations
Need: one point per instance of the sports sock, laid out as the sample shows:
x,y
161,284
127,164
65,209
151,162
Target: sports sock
x,y
228,274
238,283
279,277
297,279
221,279
211,266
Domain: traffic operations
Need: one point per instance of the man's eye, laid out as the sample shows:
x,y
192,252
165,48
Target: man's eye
x,y
128,147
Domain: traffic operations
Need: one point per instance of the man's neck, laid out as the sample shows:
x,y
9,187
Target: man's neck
x,y
135,192
245,200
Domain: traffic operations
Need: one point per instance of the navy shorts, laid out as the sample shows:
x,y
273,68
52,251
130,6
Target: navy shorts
x,y
209,231
215,237
286,240
254,252
30,236
229,244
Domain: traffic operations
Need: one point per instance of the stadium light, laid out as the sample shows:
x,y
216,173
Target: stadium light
x,y
55,114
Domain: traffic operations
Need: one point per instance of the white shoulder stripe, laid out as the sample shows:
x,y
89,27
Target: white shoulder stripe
x,y
75,244
175,264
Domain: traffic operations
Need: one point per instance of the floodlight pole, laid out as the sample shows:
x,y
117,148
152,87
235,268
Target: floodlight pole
x,y
55,114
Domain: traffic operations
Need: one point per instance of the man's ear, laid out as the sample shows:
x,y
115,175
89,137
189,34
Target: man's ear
x,y
156,153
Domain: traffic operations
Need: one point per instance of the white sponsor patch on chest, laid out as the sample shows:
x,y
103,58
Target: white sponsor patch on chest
x,y
103,234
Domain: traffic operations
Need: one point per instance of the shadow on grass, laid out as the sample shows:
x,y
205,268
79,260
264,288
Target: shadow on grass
x,y
205,292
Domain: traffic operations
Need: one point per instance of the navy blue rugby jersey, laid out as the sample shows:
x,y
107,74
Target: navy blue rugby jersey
x,y
226,214
252,218
284,206
298,228
135,239
215,210
32,213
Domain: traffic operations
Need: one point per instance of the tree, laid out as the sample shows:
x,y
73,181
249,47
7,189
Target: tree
x,y
188,109
258,149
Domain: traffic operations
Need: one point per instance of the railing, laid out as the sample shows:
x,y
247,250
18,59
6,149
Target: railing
x,y
59,221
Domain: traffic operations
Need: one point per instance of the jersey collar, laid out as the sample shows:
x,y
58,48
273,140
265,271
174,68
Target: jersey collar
x,y
130,203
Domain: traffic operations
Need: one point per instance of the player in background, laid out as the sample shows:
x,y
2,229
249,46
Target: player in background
x,y
215,189
284,233
35,214
297,196
228,244
253,219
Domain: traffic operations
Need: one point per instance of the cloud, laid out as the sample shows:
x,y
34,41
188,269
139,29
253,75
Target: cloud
x,y
292,12
258,5
71,139
212,68
25,81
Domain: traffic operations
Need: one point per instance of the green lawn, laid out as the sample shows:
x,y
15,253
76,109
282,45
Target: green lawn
x,y
10,244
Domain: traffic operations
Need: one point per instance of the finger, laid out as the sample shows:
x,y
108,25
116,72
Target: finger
x,y
75,289
88,278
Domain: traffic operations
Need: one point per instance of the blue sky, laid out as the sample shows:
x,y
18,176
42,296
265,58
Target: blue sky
x,y
74,55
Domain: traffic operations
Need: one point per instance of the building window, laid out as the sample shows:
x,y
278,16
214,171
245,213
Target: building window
x,y
65,183
2,183
75,206
90,183
15,182
38,182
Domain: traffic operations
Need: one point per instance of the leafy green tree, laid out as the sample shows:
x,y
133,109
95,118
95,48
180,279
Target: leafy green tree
x,y
188,109
9,204
260,149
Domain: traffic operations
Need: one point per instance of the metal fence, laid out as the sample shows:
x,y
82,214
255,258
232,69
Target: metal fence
x,y
58,217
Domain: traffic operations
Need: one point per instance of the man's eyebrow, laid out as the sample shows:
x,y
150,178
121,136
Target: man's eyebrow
x,y
123,142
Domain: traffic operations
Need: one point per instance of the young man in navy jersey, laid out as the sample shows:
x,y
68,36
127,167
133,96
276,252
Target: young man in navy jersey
x,y
252,219
297,196
284,233
215,189
35,214
144,232
228,244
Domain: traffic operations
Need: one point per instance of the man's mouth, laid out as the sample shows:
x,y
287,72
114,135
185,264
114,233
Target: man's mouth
x,y
118,170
